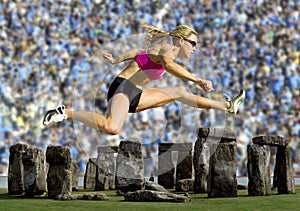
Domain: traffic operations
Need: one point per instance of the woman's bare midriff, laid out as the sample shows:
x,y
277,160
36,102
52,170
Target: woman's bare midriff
x,y
135,75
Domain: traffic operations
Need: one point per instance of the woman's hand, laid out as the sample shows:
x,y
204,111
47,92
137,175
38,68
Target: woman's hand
x,y
206,85
109,58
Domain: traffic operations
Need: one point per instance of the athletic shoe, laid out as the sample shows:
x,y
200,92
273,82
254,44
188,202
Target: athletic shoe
x,y
235,102
55,115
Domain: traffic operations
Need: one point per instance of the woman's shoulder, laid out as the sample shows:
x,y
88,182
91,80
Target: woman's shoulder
x,y
157,50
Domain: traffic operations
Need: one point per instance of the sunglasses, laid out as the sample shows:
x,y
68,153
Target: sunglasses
x,y
193,43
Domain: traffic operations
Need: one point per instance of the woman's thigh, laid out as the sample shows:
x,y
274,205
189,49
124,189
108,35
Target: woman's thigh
x,y
117,110
156,97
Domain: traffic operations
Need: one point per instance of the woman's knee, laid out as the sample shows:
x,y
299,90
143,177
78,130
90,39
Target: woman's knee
x,y
110,128
180,92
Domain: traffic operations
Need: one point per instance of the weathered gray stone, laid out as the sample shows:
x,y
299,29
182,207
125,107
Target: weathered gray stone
x,y
273,141
155,196
75,174
201,165
129,167
284,171
108,149
95,196
184,165
185,185
222,180
16,170
85,196
217,134
106,168
59,178
154,186
165,169
34,172
259,181
217,147
89,180
58,155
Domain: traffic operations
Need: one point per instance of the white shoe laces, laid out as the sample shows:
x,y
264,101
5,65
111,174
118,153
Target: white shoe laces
x,y
59,117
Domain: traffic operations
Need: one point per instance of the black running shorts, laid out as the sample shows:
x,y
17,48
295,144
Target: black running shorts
x,y
122,85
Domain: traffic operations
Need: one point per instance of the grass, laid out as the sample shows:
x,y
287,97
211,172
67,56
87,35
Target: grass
x,y
198,202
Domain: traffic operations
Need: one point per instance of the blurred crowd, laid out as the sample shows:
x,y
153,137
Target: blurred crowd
x,y
50,53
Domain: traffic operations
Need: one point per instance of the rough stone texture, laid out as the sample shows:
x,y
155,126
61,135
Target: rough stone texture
x,y
201,165
106,168
206,144
184,165
85,196
75,174
272,141
16,170
259,181
89,180
222,180
165,169
185,185
154,186
34,172
59,178
155,196
215,162
130,167
217,134
284,175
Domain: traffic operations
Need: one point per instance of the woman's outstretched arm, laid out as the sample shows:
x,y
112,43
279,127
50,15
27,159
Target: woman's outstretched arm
x,y
180,72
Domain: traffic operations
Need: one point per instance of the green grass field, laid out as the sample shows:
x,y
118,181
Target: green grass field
x,y
198,202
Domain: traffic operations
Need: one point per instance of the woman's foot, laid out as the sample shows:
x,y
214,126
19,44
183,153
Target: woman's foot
x,y
55,115
236,102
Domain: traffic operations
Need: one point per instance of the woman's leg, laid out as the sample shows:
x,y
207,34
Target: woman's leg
x,y
156,97
112,124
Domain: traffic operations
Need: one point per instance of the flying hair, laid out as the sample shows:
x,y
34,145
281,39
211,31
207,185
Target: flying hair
x,y
157,36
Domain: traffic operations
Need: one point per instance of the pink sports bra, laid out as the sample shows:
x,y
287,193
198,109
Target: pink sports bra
x,y
152,69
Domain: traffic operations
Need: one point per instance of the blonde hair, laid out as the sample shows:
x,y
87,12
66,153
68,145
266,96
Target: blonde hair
x,y
156,36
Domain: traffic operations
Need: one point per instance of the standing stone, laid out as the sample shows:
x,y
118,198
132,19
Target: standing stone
x,y
34,172
16,170
258,166
106,168
90,174
184,163
284,171
165,166
130,167
184,166
221,181
75,174
201,165
59,178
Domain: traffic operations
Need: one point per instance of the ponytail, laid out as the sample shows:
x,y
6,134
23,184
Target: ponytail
x,y
157,36
154,35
